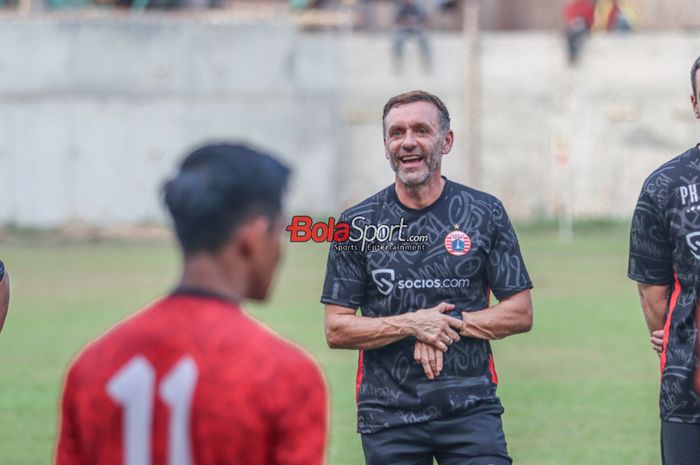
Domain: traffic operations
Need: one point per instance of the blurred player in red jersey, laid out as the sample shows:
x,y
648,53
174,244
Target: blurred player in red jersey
x,y
191,379
4,294
578,19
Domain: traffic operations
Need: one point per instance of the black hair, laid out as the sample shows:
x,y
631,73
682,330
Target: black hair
x,y
418,96
693,72
217,188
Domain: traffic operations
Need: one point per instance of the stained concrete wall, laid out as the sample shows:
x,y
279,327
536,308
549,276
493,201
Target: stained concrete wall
x,y
94,114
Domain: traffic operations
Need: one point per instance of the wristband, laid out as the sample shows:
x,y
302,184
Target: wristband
x,y
2,270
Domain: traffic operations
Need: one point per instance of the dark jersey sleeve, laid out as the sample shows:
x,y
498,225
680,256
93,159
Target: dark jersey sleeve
x,y
505,267
650,257
345,276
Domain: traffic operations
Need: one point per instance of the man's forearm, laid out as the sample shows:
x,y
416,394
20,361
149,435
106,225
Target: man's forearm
x,y
346,330
512,315
360,332
653,300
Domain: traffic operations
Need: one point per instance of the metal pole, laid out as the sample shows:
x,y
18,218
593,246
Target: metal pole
x,y
473,93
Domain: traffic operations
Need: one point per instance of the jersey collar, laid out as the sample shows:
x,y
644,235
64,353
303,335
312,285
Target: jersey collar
x,y
205,293
443,195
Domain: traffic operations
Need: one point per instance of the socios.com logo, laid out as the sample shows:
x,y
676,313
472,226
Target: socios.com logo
x,y
693,240
385,280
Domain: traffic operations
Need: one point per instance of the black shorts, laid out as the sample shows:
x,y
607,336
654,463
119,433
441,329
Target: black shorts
x,y
475,438
680,443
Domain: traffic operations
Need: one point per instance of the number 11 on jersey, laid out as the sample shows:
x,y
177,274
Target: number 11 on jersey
x,y
132,387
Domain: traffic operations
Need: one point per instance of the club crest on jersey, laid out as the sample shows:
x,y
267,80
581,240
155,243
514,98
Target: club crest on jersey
x,y
693,240
458,243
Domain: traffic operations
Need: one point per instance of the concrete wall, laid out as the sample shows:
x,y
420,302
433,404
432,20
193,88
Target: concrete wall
x,y
95,114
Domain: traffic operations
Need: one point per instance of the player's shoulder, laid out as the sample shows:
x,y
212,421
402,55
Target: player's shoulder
x,y
96,351
473,195
671,172
280,361
370,204
281,351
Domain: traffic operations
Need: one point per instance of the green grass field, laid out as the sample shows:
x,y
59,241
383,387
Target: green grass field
x,y
580,389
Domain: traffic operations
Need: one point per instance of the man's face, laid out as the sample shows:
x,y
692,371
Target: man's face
x,y
266,257
414,143
694,98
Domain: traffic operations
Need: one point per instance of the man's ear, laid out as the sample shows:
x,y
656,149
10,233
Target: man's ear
x,y
694,102
251,235
448,141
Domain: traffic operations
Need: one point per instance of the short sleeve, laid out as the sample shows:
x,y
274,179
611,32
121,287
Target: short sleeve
x,y
650,256
345,281
505,267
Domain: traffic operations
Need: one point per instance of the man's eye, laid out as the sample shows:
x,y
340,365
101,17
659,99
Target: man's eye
x,y
395,133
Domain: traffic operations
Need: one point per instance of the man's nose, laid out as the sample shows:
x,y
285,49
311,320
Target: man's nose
x,y
409,140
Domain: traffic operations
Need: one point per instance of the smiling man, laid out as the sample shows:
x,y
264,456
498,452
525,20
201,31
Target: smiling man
x,y
426,385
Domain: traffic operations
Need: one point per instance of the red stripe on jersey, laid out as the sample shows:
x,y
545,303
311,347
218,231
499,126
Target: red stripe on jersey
x,y
667,326
492,365
492,369
358,378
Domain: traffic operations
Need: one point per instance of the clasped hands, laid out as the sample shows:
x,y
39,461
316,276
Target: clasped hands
x,y
434,332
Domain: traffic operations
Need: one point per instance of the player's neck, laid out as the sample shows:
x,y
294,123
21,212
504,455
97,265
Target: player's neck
x,y
421,195
206,273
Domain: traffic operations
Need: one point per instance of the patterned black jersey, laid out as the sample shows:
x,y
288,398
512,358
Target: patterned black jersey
x,y
665,250
401,260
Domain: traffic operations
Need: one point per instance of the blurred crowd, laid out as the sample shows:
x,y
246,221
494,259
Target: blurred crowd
x,y
583,16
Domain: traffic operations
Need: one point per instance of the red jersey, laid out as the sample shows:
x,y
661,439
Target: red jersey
x,y
580,9
192,380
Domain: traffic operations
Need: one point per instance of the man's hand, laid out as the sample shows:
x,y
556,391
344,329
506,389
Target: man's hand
x,y
429,357
657,341
432,327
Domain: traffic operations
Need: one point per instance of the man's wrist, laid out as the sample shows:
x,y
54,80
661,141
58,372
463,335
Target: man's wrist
x,y
466,320
403,324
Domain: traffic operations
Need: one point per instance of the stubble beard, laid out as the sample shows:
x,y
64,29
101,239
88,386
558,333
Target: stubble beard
x,y
421,176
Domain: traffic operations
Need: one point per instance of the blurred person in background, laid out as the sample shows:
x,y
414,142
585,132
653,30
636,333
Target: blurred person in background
x,y
411,21
4,293
578,20
664,260
426,380
192,379
615,15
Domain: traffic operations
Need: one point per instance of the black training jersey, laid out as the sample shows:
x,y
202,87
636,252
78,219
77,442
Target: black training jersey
x,y
455,250
665,250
